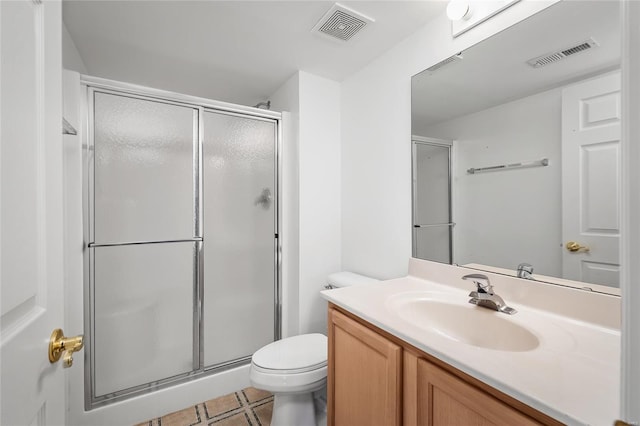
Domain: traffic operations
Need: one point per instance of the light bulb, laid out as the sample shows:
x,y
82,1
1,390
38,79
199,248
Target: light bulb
x,y
458,10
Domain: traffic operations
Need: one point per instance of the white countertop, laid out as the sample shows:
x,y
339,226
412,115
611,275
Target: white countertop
x,y
573,375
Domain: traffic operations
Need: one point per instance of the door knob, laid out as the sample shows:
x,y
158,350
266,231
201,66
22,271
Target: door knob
x,y
573,247
60,346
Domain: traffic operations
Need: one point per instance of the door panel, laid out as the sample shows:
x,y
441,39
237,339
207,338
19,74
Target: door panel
x,y
32,388
364,378
591,179
445,400
600,189
142,314
143,170
239,227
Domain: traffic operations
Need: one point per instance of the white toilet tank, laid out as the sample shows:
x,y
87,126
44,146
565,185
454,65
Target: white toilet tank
x,y
347,279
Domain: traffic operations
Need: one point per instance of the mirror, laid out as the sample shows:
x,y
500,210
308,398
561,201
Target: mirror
x,y
516,150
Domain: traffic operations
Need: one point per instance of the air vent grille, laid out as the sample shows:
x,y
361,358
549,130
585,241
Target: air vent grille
x,y
552,57
576,49
444,62
341,23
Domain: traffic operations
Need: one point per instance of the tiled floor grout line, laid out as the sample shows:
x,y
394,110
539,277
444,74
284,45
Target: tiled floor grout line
x,y
234,409
255,415
224,413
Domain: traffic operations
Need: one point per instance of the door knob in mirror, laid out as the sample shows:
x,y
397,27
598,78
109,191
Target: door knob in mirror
x,y
573,247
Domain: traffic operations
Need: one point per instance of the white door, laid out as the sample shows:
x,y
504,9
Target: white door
x,y
32,389
591,175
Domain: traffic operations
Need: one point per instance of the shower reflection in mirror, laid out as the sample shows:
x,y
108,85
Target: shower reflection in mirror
x,y
432,225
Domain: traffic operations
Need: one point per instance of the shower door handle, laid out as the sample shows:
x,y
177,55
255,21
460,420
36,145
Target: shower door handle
x,y
264,199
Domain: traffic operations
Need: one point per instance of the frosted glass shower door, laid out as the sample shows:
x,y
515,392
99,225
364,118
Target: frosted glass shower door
x,y
239,216
143,314
143,247
143,170
432,224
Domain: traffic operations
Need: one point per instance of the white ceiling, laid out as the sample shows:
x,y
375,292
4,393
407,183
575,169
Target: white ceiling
x,y
234,51
495,71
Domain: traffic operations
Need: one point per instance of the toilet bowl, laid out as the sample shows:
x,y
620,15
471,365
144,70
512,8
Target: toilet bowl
x,y
293,368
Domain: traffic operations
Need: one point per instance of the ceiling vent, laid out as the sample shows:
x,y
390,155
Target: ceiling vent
x,y
341,23
552,57
442,63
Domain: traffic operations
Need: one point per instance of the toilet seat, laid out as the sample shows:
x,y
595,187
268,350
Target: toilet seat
x,y
291,365
296,354
290,371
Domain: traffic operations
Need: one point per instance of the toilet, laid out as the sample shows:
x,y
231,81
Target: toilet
x,y
295,367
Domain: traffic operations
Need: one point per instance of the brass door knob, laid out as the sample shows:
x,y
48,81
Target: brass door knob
x,y
573,247
59,345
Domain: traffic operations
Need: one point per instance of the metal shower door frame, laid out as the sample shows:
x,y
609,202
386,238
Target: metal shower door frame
x,y
93,85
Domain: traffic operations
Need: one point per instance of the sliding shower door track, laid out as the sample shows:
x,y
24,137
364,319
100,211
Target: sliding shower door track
x,y
146,388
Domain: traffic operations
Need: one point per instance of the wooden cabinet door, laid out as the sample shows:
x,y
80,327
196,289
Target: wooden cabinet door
x,y
445,400
364,379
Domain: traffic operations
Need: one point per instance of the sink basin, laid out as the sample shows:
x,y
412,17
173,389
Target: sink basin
x,y
463,322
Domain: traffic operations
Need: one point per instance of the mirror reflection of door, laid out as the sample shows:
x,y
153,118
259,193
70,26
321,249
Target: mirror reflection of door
x,y
591,180
432,224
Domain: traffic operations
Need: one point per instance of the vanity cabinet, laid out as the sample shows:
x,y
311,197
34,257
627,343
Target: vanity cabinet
x,y
443,399
365,375
376,379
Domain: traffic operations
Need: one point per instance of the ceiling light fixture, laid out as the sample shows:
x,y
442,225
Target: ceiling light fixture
x,y
458,10
466,14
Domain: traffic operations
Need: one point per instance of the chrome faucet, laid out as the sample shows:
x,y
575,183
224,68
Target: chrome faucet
x,y
484,295
525,271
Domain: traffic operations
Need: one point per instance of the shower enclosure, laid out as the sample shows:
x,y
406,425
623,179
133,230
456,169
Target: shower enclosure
x,y
432,218
181,232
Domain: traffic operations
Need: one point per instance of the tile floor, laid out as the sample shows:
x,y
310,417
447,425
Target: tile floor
x,y
247,407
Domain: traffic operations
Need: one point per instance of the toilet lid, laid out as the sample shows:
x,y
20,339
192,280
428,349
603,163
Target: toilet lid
x,y
299,353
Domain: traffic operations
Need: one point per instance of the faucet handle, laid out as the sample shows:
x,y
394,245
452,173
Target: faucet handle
x,y
525,270
481,281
